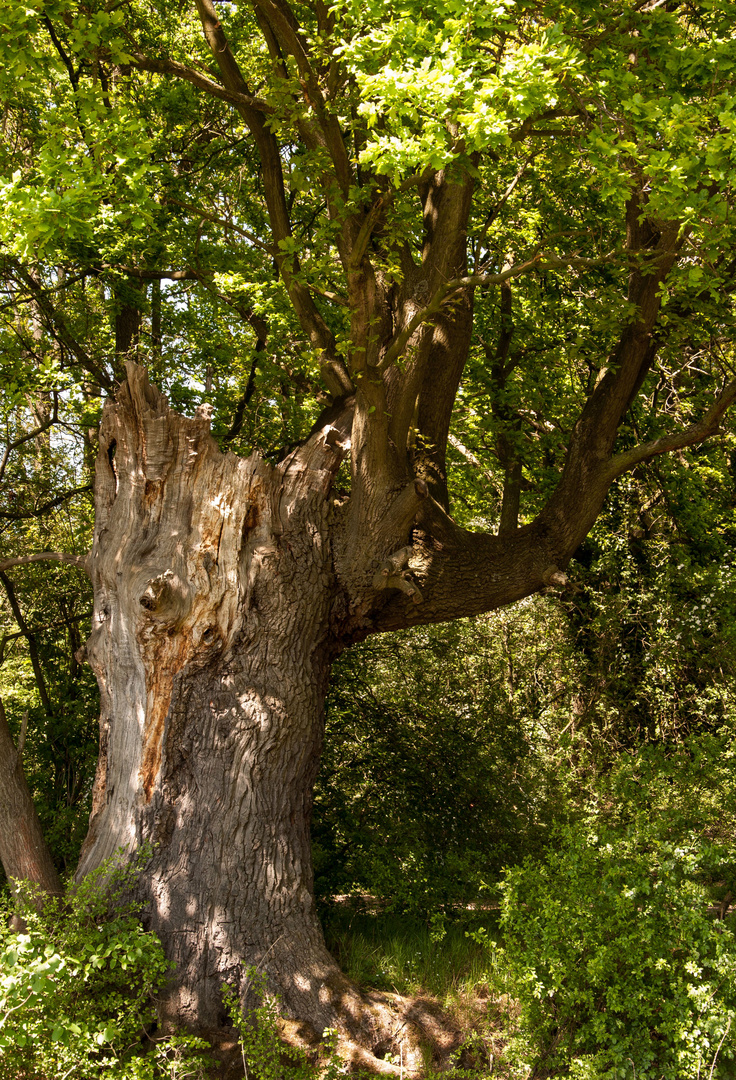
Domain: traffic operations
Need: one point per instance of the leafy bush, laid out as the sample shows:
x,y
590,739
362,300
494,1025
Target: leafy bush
x,y
619,968
76,991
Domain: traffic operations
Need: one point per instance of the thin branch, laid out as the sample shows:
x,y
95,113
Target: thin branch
x,y
41,629
472,458
30,638
162,66
154,275
46,290
73,76
496,210
79,561
207,216
45,507
57,327
696,433
445,291
31,435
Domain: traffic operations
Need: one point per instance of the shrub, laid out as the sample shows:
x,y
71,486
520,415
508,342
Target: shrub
x,y
76,991
619,968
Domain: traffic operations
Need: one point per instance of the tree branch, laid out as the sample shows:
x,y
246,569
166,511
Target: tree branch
x,y
59,330
207,216
696,433
160,65
332,367
31,435
281,18
50,505
471,458
446,291
79,561
31,639
144,274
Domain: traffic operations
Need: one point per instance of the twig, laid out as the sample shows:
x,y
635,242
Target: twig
x,y
718,1049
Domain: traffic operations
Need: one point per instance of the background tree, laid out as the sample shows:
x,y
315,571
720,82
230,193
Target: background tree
x,y
347,229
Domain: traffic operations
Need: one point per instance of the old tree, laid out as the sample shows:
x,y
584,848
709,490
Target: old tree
x,y
333,233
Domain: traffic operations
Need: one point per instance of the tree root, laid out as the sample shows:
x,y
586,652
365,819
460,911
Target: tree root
x,y
380,1033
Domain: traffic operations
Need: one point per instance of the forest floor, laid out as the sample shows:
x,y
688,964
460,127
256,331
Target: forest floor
x,y
442,970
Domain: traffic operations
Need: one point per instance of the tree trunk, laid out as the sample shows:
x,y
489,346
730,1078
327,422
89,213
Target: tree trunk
x,y
224,587
213,588
23,850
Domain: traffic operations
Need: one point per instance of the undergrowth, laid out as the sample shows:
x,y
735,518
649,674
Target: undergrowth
x,y
407,956
77,986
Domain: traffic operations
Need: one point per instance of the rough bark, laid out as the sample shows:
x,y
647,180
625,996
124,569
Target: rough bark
x,y
224,587
213,587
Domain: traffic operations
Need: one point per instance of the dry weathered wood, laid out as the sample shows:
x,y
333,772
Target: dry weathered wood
x,y
224,588
213,584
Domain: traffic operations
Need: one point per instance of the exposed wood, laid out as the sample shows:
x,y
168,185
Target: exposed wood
x,y
211,643
225,587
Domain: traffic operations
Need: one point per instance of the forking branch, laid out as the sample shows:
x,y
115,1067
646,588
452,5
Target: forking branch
x,y
447,289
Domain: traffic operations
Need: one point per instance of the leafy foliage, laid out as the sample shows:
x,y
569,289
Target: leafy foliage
x,y
432,779
128,195
77,986
265,1055
618,965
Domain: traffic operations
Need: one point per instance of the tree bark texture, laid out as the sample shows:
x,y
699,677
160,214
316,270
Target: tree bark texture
x,y
224,588
212,579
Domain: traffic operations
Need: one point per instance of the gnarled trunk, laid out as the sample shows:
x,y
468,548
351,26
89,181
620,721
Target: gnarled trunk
x,y
213,586
223,588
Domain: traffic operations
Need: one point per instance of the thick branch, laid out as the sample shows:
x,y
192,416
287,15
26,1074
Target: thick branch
x,y
461,573
164,66
332,367
23,851
281,18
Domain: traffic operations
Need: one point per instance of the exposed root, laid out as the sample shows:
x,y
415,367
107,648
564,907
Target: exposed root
x,y
379,1033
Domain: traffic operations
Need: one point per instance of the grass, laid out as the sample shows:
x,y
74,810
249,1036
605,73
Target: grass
x,y
408,957
443,962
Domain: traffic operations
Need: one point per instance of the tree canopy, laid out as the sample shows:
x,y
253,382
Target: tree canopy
x,y
442,277
228,205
